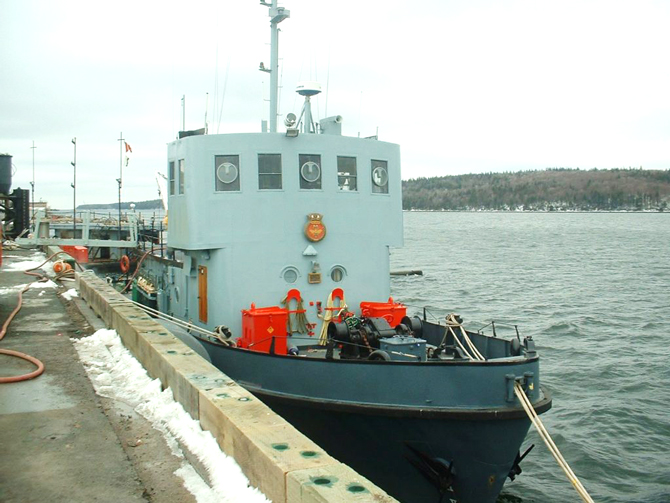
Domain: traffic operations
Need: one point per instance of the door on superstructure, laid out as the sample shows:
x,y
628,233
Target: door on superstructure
x,y
202,293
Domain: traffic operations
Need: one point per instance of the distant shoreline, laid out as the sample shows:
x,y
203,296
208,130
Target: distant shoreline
x,y
550,190
152,204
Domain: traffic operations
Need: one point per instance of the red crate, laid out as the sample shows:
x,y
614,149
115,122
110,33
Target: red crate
x,y
79,253
393,312
260,325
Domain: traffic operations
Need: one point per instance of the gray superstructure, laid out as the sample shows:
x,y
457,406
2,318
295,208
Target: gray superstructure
x,y
251,239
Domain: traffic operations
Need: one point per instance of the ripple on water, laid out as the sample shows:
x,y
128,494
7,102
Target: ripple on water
x,y
599,315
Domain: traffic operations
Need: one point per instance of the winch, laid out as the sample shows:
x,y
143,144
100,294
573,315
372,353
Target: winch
x,y
373,338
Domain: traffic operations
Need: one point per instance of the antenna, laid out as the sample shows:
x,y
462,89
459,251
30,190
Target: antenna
x,y
183,114
308,89
216,74
360,106
74,190
327,81
223,97
206,107
32,184
121,139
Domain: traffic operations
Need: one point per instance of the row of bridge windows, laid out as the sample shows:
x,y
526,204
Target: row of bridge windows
x,y
227,173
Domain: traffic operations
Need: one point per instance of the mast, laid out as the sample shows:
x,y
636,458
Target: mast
x,y
32,184
277,15
74,191
183,112
120,178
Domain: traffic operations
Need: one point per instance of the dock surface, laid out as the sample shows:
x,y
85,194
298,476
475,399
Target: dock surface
x,y
60,441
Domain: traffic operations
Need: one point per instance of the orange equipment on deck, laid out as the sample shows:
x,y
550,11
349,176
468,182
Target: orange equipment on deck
x,y
259,327
392,312
79,253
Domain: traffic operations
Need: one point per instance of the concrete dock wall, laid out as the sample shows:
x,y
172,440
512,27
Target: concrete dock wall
x,y
279,460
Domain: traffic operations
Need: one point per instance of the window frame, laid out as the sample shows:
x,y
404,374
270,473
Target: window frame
x,y
342,178
171,178
181,176
270,175
341,270
292,269
233,186
304,159
379,163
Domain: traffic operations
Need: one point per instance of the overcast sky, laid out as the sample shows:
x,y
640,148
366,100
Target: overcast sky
x,y
463,86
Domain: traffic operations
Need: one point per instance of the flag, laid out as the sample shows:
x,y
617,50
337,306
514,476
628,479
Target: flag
x,y
128,149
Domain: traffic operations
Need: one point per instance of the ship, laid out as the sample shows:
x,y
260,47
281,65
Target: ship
x,y
277,262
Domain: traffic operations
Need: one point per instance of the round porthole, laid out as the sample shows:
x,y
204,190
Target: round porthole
x,y
310,171
380,176
337,273
227,172
290,274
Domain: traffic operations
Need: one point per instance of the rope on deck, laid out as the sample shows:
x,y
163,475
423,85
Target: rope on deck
x,y
452,323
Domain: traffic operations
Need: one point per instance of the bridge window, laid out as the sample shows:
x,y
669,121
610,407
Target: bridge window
x,y
269,171
310,171
227,173
181,176
171,178
380,177
346,173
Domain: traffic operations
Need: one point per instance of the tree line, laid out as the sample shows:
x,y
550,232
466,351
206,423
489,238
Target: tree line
x,y
552,189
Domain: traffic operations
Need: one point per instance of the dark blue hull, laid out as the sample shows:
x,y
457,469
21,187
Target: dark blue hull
x,y
383,418
377,447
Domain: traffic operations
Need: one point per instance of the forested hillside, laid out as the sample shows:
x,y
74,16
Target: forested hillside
x,y
553,189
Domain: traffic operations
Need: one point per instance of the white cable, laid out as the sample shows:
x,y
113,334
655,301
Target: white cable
x,y
451,322
176,321
525,402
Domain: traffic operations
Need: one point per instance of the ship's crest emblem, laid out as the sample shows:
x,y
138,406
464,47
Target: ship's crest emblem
x,y
315,230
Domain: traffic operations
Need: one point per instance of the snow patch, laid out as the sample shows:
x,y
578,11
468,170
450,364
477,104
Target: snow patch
x,y
116,374
12,289
31,262
44,284
36,284
24,265
70,294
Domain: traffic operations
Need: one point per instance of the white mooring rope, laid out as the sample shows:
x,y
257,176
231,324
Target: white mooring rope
x,y
525,402
185,325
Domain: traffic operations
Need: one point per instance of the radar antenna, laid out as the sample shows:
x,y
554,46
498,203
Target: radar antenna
x,y
307,89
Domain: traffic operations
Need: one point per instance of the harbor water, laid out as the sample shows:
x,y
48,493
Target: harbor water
x,y
593,289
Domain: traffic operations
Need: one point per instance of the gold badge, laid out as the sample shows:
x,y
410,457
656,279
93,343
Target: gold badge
x,y
315,230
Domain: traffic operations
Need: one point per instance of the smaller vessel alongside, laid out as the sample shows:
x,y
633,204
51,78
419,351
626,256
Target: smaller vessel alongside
x,y
278,257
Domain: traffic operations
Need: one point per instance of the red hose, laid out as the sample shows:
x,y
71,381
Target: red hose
x,y
5,326
24,377
3,332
